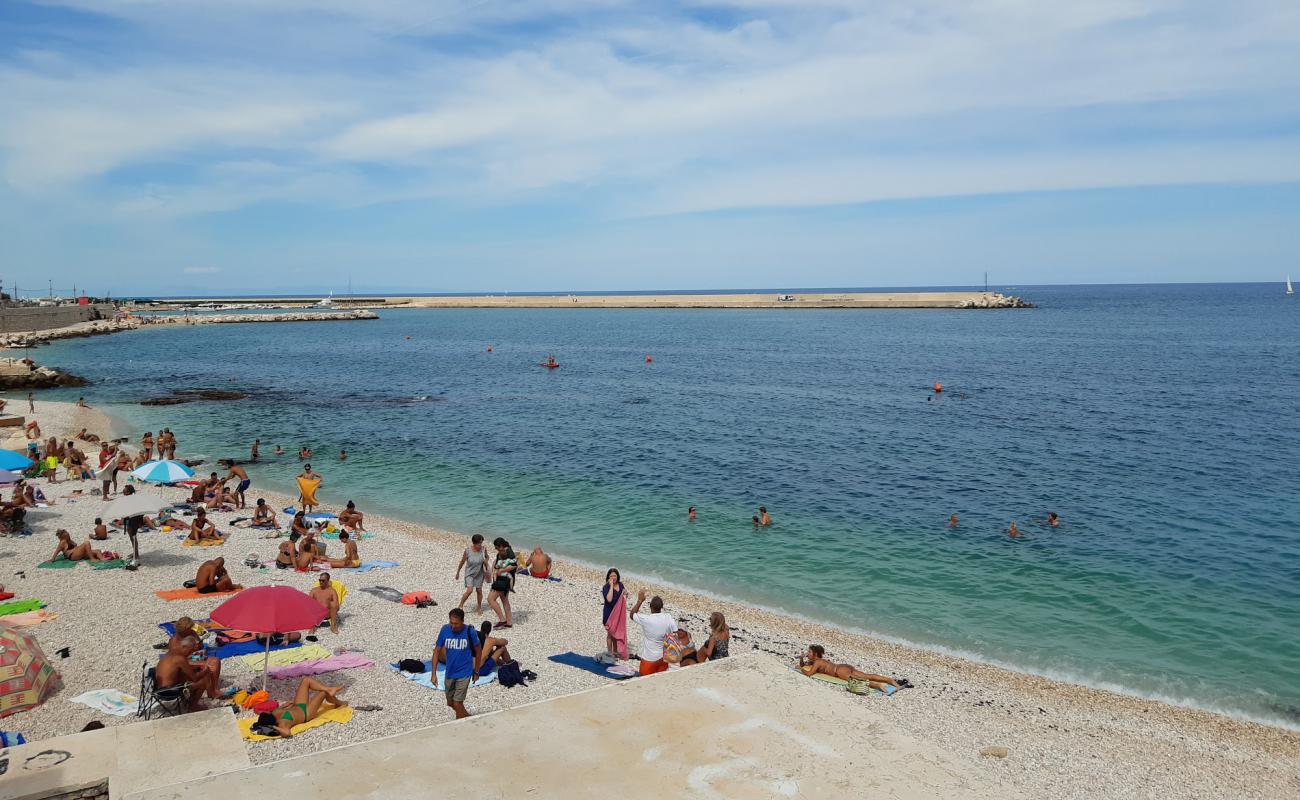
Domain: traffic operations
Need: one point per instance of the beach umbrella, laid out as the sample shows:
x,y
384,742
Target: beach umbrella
x,y
268,610
15,461
26,675
9,476
132,505
162,472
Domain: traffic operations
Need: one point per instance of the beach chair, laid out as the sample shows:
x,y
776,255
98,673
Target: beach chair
x,y
173,700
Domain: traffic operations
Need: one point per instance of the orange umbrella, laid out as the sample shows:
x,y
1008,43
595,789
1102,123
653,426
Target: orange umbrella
x,y
26,675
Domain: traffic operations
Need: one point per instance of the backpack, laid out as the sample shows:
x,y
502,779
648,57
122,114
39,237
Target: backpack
x,y
412,665
509,674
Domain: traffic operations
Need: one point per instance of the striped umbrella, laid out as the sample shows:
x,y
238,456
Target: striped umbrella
x,y
163,472
26,675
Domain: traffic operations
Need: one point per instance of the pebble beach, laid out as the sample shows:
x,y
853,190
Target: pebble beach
x,y
1061,740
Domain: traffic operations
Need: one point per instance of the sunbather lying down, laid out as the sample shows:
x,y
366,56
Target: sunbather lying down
x,y
77,552
814,662
311,699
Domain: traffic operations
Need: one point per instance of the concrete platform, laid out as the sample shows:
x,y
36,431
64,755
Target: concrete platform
x,y
129,758
748,727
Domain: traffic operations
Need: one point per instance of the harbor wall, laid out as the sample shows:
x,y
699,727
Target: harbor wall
x,y
35,318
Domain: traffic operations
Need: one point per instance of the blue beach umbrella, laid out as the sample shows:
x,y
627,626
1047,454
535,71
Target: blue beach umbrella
x,y
162,472
15,461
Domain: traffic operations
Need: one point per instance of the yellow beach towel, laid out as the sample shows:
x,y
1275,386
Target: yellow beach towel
x,y
307,491
287,656
340,715
203,543
339,589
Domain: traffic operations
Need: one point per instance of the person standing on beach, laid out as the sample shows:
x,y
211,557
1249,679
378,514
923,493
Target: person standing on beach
x,y
107,469
146,445
132,525
31,404
474,562
614,617
457,646
654,627
237,471
504,568
257,443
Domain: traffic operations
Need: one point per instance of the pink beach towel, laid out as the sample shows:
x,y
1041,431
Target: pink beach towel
x,y
616,625
344,661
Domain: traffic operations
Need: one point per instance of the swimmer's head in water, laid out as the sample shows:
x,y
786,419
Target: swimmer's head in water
x,y
656,604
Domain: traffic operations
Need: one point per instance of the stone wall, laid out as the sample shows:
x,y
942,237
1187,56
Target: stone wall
x,y
33,318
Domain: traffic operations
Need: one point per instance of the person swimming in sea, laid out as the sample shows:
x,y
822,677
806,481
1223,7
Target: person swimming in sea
x,y
952,521
690,514
1012,530
763,516
1053,520
756,522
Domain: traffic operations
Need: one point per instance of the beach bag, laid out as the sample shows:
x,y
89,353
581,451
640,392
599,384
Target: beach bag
x,y
673,648
412,665
509,674
416,598
859,686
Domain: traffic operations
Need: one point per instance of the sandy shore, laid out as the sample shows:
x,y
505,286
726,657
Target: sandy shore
x,y
1064,740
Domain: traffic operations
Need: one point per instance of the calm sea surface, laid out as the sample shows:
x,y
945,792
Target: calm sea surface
x,y
1160,422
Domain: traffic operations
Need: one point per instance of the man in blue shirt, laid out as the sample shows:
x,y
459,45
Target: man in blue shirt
x,y
457,647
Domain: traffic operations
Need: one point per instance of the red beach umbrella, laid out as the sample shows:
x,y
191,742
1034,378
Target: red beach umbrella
x,y
26,675
270,609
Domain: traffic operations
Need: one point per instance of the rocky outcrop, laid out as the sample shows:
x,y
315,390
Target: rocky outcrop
x,y
190,395
102,327
994,300
37,377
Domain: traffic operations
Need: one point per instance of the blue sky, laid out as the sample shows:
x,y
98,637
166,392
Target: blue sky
x,y
165,146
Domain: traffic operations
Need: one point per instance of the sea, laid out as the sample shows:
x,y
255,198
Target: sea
x,y
1158,421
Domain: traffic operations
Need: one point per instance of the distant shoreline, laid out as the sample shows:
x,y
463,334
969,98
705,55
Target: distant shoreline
x,y
836,300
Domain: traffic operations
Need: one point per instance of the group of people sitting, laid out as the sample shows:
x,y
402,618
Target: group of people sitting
x,y
302,550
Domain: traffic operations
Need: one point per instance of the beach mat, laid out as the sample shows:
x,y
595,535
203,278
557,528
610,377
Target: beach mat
x,y
331,664
188,542
366,566
230,649
425,678
109,701
383,593
340,715
285,657
62,563
191,594
19,607
116,563
30,618
586,664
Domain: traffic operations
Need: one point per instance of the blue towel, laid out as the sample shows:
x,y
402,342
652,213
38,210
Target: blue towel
x,y
586,664
366,566
232,649
425,678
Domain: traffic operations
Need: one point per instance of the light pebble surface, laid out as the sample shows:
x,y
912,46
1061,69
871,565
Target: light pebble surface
x,y
1063,740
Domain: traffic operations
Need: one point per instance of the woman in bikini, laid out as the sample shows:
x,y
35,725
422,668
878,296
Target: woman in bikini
x,y
492,650
719,642
308,703
814,662
72,551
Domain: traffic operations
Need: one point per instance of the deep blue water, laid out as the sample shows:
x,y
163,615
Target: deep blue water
x,y
1160,422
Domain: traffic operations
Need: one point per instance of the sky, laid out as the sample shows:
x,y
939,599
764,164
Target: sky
x,y
243,146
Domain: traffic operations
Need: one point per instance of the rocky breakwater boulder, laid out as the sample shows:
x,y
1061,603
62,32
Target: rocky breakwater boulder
x,y
191,395
994,300
75,331
288,316
26,375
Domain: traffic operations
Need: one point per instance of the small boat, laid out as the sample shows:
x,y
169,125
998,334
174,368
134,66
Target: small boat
x,y
550,362
1289,290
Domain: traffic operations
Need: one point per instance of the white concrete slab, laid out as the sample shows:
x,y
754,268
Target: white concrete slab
x,y
748,727
132,757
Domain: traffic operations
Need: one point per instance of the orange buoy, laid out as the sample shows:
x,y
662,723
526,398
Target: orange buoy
x,y
648,359
938,387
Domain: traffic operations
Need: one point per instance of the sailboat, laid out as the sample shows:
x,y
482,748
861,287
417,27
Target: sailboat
x,y
1289,290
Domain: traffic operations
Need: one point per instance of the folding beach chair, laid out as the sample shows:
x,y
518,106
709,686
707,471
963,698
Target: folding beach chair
x,y
173,700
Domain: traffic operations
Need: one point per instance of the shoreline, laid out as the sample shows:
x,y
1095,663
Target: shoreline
x,y
1055,730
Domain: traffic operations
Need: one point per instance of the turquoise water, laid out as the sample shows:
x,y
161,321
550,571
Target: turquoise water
x,y
1159,421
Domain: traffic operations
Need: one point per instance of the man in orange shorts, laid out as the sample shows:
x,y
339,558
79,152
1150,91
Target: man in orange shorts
x,y
654,627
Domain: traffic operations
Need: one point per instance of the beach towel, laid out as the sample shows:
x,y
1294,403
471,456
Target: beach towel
x,y
285,657
340,715
203,542
116,563
30,618
616,623
551,578
6,595
19,606
307,491
426,678
587,664
61,563
109,701
230,649
331,664
384,593
191,594
366,566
